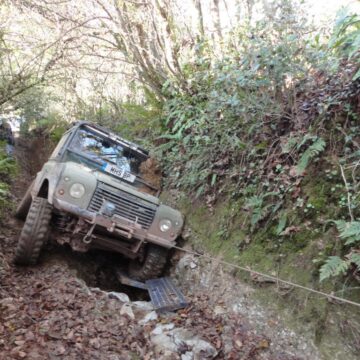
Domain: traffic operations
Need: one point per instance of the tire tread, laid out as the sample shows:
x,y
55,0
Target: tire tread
x,y
34,232
152,266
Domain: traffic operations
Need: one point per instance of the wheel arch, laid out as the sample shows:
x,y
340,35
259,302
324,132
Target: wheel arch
x,y
44,189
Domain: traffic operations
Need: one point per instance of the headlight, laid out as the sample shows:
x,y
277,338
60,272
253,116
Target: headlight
x,y
77,190
165,225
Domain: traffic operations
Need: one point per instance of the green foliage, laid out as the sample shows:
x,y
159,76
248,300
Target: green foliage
x,y
333,266
313,150
355,258
236,128
282,224
349,231
234,106
345,40
8,170
259,208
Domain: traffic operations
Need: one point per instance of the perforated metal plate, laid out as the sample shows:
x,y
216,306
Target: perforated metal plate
x,y
165,296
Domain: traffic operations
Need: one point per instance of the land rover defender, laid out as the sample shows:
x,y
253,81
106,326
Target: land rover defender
x,y
92,193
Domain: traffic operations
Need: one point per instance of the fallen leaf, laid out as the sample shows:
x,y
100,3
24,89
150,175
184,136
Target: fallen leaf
x,y
263,344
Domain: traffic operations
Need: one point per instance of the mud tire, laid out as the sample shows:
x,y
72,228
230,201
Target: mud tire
x,y
23,208
34,232
152,266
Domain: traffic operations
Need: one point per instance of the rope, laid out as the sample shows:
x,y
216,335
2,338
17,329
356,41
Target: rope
x,y
274,278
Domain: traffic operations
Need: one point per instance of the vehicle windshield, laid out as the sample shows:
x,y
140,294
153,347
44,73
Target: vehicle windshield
x,y
102,149
100,152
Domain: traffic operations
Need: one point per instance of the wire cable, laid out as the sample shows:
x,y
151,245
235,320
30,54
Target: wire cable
x,y
274,278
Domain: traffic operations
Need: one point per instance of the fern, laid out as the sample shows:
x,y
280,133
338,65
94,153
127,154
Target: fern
x,y
259,210
315,149
282,224
355,258
349,231
333,266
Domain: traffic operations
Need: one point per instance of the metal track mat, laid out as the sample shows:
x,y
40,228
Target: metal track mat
x,y
165,296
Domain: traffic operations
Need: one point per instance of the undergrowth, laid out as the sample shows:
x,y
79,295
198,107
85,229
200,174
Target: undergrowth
x,y
255,124
8,170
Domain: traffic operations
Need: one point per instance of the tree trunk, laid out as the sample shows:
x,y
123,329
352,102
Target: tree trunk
x,y
216,18
200,17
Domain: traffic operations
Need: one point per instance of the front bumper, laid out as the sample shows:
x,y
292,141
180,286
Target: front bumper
x,y
115,224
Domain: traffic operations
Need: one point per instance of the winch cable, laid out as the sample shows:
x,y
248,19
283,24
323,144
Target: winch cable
x,y
274,278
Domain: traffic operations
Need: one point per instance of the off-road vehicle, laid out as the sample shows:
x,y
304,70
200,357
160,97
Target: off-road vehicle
x,y
92,193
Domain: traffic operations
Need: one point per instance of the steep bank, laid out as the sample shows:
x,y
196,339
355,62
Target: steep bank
x,y
333,328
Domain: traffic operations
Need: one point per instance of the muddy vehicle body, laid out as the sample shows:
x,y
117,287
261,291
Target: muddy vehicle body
x,y
92,194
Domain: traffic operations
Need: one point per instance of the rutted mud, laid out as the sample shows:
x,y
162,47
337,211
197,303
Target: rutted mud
x,y
96,268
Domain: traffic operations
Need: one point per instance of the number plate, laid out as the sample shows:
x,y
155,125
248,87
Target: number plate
x,y
121,173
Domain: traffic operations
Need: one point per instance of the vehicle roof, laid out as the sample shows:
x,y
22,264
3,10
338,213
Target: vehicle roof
x,y
113,136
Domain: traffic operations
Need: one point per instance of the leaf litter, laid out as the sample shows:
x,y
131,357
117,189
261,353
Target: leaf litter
x,y
46,312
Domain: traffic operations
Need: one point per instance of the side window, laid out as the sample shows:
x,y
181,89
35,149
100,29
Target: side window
x,y
59,146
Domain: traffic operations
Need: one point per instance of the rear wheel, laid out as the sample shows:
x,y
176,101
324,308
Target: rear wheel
x,y
24,206
34,232
152,266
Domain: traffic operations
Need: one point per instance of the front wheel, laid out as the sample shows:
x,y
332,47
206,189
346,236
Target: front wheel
x,y
34,232
152,266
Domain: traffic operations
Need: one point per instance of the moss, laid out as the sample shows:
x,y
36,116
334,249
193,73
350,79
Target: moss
x,y
256,256
302,238
317,195
318,192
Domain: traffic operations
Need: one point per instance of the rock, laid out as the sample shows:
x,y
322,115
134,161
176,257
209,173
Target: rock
x,y
219,310
202,349
189,355
97,290
175,340
163,342
127,310
95,343
149,317
193,265
59,350
184,263
119,296
143,305
227,339
162,328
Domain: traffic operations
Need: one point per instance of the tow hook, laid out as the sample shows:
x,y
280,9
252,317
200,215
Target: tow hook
x,y
88,237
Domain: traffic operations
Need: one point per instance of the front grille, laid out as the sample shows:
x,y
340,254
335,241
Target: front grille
x,y
127,205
